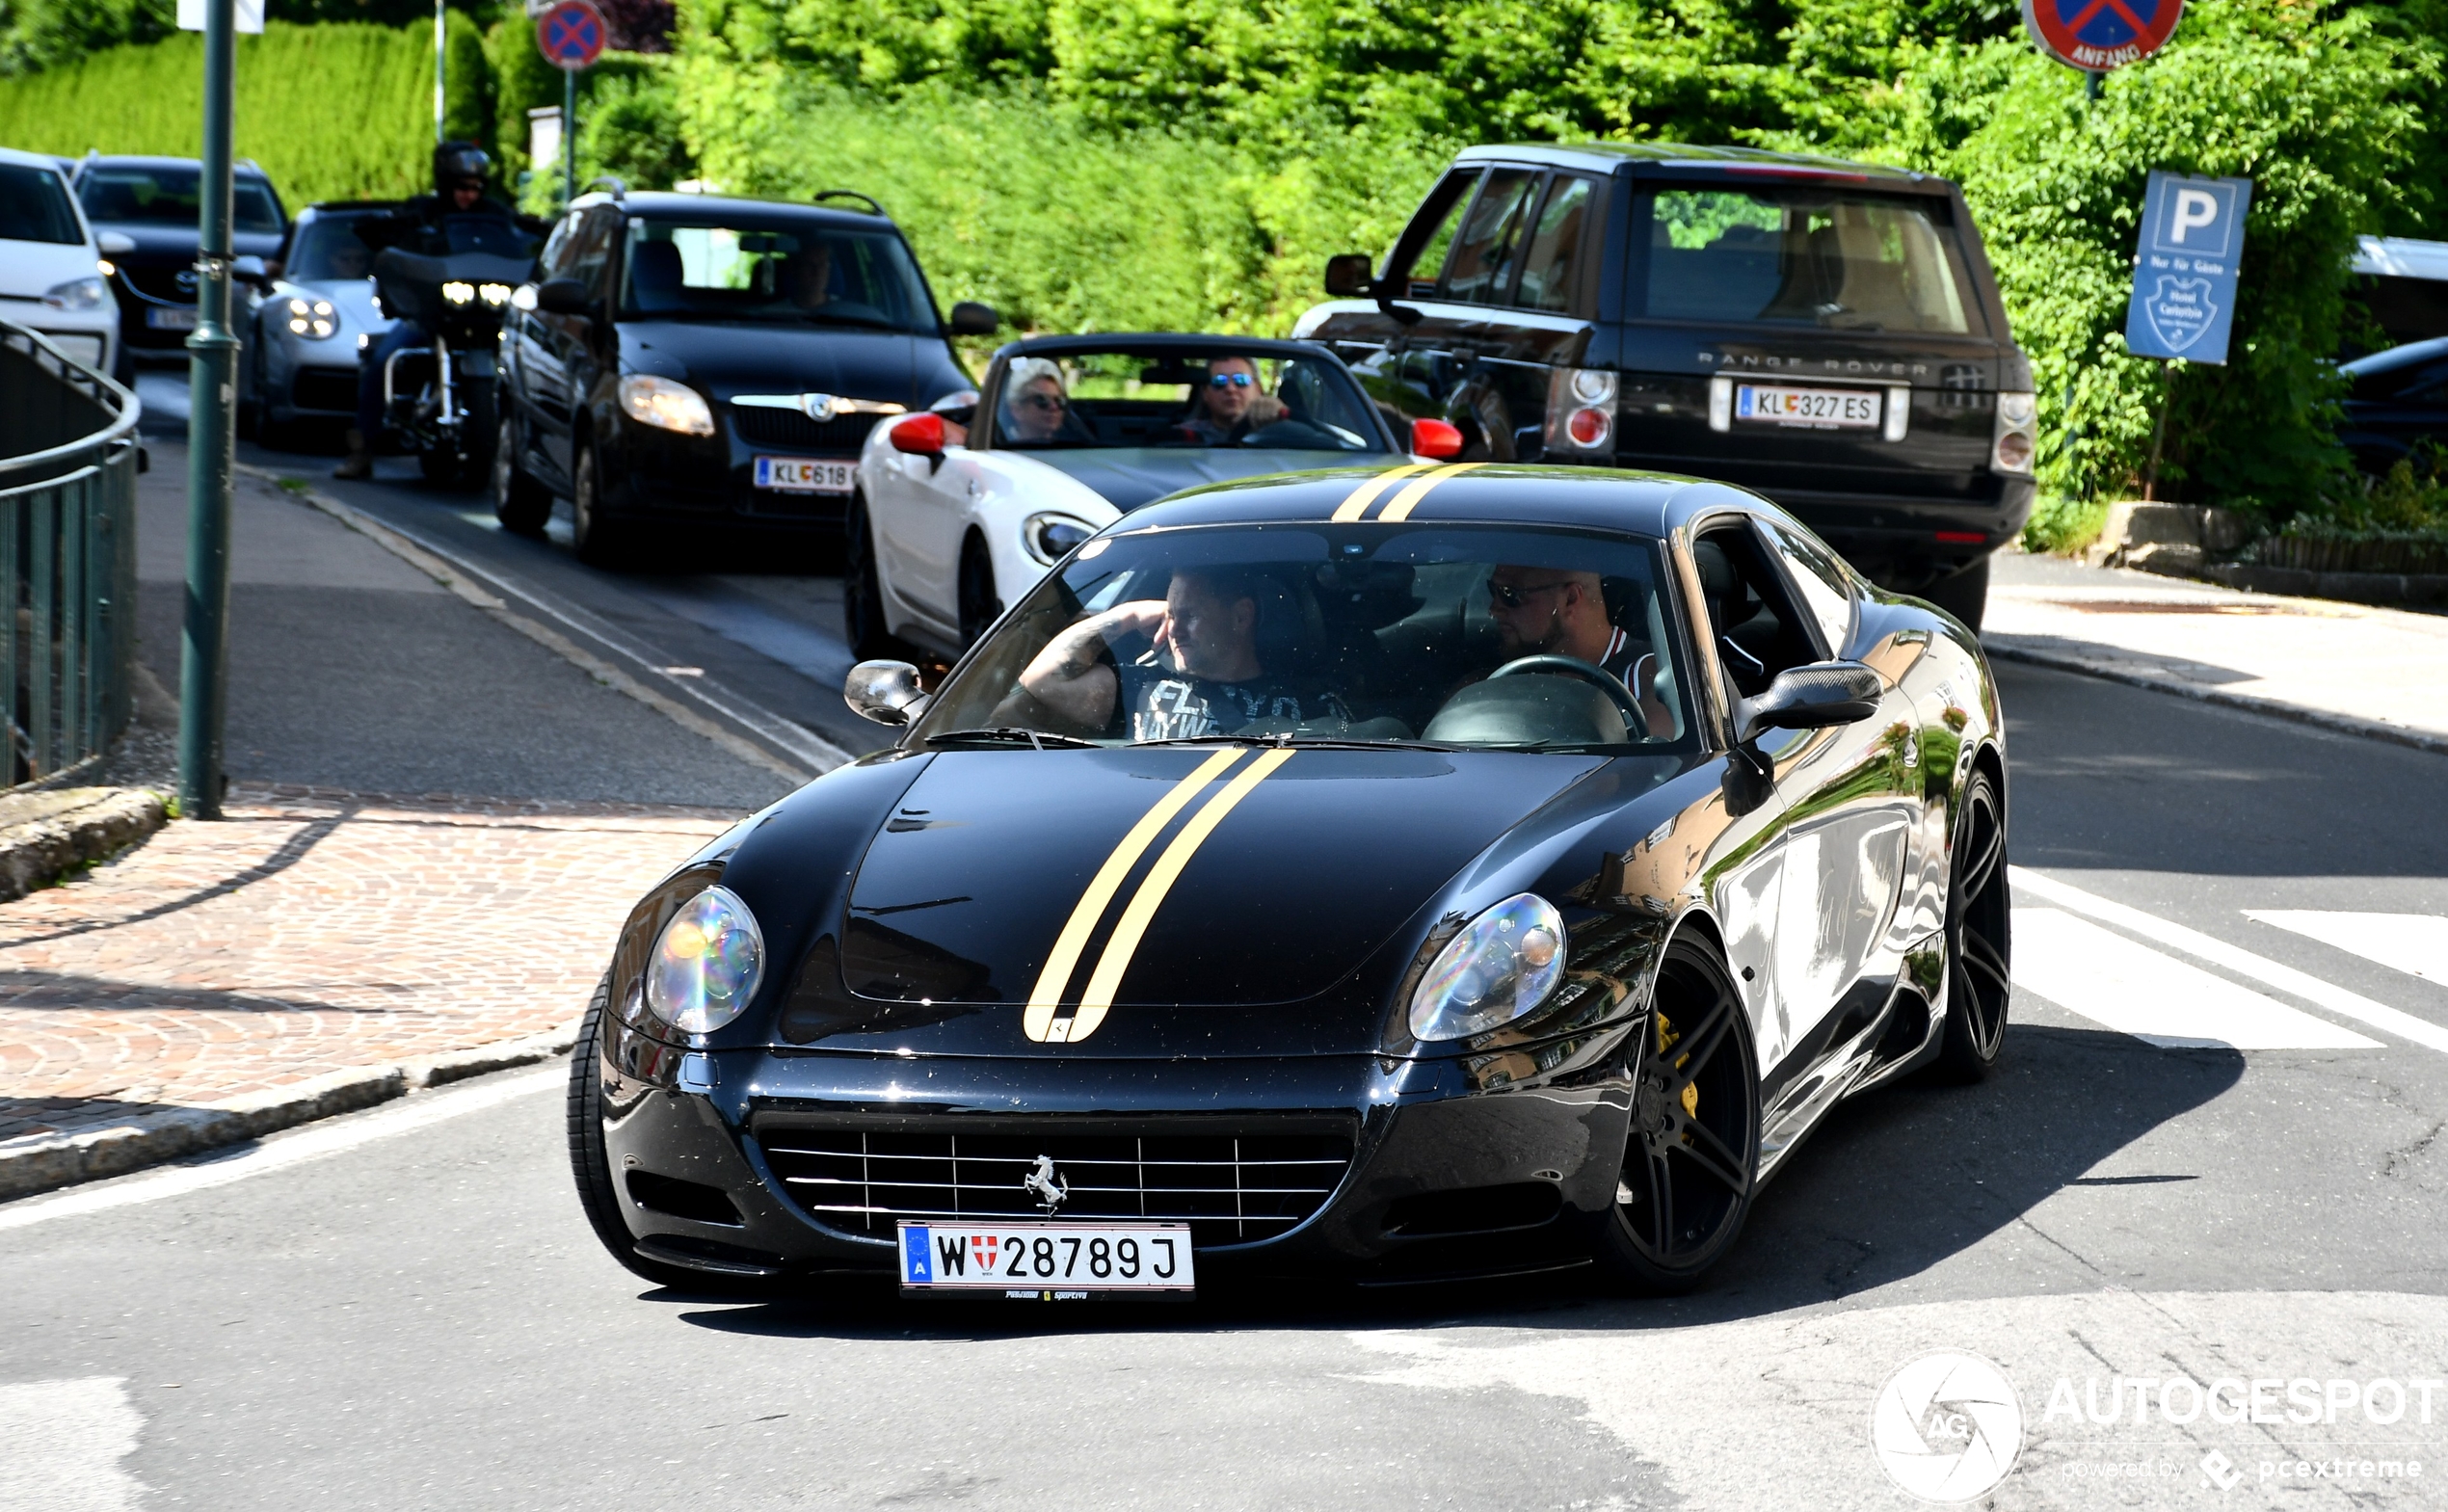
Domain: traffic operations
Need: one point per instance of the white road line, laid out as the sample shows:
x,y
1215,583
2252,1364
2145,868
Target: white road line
x,y
2233,958
2131,988
2414,944
61,1443
420,1111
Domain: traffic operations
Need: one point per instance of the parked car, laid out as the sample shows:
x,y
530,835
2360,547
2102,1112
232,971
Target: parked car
x,y
955,512
1827,333
53,268
688,360
2399,401
1246,899
317,312
154,203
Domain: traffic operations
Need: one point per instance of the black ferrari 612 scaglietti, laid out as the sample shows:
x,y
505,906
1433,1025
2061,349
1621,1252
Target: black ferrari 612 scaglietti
x,y
1418,873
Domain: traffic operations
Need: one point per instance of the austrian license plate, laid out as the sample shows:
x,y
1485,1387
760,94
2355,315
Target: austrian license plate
x,y
170,319
1820,408
1044,1262
804,476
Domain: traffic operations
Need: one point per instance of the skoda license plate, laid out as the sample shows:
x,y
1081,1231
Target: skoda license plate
x,y
803,475
172,317
1044,1262
1819,409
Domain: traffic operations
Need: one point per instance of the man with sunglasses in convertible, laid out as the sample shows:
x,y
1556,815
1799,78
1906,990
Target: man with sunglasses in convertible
x,y
1542,611
1231,404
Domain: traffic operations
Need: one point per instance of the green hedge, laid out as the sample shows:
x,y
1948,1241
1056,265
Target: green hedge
x,y
331,112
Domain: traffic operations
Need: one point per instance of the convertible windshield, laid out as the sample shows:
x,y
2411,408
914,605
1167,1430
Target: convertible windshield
x,y
1081,399
1456,636
785,271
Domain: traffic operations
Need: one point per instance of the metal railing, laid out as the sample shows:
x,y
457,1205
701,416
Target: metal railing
x,y
68,459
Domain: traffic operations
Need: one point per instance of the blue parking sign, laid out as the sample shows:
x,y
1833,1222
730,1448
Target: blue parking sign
x,y
2185,271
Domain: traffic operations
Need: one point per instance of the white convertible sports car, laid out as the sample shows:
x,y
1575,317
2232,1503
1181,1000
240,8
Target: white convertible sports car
x,y
959,511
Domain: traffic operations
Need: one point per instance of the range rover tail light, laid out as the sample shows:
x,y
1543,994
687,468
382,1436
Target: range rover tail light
x,y
2017,433
1580,413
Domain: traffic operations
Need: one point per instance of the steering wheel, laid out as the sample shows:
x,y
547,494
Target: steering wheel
x,y
1635,717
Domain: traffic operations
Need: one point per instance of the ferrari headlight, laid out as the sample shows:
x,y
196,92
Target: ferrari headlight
x,y
311,320
707,962
459,293
1503,966
77,294
665,405
1049,537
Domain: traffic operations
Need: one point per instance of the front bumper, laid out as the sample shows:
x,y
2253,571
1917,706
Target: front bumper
x,y
667,477
90,337
1454,1168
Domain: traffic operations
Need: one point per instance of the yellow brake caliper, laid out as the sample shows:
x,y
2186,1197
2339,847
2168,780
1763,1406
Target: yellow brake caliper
x,y
1667,1038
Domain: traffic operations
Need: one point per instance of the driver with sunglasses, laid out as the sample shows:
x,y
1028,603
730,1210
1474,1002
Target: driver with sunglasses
x,y
1231,404
1545,611
1036,410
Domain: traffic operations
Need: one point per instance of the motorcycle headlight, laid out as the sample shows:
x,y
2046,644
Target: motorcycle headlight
x,y
460,293
665,405
77,294
1502,966
707,962
495,295
1049,537
312,320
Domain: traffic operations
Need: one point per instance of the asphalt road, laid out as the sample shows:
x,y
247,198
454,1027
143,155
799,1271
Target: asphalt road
x,y
404,1309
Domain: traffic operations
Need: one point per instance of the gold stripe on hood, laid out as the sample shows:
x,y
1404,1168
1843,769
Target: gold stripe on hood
x,y
1092,905
1160,880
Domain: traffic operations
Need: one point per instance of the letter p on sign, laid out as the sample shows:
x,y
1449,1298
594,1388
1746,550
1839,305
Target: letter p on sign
x,y
2194,209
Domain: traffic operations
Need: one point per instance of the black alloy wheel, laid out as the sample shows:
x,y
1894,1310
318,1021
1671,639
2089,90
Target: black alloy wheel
x,y
978,606
523,505
591,1165
1980,943
862,590
1691,1155
600,542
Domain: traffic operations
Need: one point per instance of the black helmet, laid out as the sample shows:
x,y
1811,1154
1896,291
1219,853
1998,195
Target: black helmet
x,y
457,162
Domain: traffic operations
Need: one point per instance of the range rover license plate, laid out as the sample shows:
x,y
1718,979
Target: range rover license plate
x,y
1819,409
1032,1261
803,474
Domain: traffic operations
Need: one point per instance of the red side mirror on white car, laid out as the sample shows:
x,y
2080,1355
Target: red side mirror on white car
x,y
920,435
1435,440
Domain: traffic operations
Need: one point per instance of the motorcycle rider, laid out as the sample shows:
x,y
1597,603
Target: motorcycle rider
x,y
460,170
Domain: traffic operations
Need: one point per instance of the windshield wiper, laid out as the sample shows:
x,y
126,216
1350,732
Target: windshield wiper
x,y
1015,736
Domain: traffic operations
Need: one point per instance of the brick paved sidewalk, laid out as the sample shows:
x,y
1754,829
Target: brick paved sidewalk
x,y
312,932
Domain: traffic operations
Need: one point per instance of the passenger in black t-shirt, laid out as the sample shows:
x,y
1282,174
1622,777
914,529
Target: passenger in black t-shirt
x,y
1202,677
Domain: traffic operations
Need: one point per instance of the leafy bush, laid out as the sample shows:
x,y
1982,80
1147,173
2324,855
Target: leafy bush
x,y
2064,526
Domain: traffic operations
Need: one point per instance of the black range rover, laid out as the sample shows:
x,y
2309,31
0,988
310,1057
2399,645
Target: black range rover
x,y
1827,333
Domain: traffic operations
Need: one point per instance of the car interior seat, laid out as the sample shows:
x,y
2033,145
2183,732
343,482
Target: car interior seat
x,y
656,277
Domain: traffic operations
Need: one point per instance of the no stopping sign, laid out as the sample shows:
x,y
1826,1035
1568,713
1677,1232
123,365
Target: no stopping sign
x,y
572,34
2096,36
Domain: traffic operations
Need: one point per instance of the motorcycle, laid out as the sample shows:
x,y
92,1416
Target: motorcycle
x,y
440,399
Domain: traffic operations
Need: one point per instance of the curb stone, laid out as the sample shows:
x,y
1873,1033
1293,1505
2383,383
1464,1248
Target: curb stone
x,y
42,1162
69,827
2340,724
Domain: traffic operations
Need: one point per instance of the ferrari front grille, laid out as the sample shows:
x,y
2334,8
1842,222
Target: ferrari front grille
x,y
1232,1189
758,426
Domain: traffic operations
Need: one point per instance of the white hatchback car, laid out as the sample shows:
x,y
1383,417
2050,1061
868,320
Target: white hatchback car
x,y
960,510
52,273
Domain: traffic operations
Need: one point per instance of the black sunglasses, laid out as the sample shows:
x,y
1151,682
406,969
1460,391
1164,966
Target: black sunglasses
x,y
1512,597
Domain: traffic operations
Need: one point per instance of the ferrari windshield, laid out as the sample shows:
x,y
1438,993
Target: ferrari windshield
x,y
1084,399
1448,635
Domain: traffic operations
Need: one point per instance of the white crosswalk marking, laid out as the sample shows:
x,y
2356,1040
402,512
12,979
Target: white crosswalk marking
x,y
61,1443
2130,987
2323,995
2414,944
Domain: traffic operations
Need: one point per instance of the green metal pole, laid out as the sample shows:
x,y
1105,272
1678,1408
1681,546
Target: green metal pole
x,y
569,137
212,367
